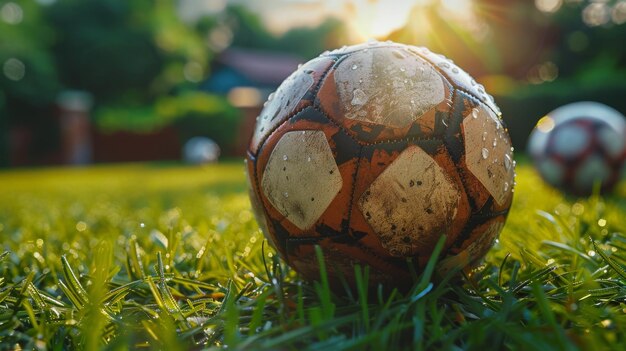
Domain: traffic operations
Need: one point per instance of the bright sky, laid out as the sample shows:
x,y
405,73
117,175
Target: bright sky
x,y
366,18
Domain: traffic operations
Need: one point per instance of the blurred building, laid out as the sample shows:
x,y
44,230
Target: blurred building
x,y
247,78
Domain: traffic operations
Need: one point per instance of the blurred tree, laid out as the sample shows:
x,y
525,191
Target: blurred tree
x,y
124,50
28,77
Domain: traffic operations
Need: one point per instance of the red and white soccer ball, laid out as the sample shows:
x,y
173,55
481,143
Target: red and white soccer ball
x,y
373,152
578,146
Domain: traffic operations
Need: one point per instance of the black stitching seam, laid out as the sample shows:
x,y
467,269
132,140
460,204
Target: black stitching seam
x,y
384,260
446,76
316,239
352,191
475,219
364,143
291,115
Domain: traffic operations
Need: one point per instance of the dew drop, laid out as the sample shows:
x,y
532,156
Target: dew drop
x,y
484,136
507,162
455,70
354,67
473,82
412,102
285,158
286,194
303,132
506,186
398,54
360,98
299,65
402,69
406,81
444,65
308,159
422,70
269,98
495,142
485,153
475,113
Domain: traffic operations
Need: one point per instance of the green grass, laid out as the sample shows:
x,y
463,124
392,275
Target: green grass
x,y
141,256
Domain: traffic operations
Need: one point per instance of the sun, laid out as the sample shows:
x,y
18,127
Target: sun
x,y
378,18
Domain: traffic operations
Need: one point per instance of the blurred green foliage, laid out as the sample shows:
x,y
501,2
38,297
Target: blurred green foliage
x,y
123,50
193,113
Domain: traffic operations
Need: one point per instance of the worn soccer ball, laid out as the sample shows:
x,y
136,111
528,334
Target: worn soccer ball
x,y
579,145
373,152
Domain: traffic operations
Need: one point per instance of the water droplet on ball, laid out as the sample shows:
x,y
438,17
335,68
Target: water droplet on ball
x,y
485,153
475,113
398,54
507,162
360,98
354,67
285,158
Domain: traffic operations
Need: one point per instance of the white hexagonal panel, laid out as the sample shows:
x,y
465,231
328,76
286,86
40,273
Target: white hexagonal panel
x,y
283,102
488,153
387,86
410,203
570,140
301,177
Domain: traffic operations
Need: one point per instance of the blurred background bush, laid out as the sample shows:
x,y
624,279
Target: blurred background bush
x,y
87,81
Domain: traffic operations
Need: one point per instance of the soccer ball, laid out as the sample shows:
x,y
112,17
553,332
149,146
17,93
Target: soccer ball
x,y
373,152
578,145
201,150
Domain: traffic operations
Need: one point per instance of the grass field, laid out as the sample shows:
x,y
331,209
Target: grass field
x,y
170,257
